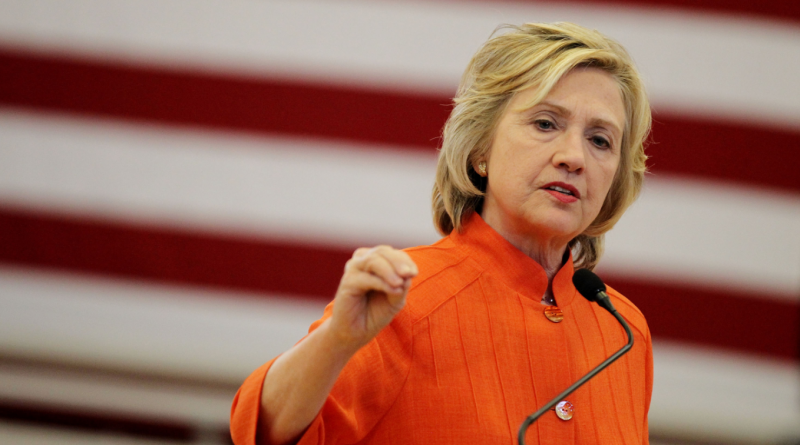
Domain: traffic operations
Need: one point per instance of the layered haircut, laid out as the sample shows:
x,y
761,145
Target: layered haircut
x,y
536,56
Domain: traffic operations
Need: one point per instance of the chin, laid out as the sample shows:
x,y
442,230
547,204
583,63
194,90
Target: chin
x,y
566,228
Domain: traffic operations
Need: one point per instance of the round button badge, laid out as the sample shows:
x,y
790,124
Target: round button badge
x,y
564,410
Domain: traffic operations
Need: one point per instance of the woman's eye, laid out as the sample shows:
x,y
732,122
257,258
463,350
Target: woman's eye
x,y
601,142
544,124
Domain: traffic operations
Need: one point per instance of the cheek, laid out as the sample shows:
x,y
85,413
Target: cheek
x,y
609,179
602,182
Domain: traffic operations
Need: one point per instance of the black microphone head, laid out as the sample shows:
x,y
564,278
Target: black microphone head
x,y
588,284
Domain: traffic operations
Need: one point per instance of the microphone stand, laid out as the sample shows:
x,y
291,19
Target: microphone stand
x,y
532,418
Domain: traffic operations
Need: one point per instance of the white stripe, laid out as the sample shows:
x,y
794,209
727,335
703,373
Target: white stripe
x,y
325,193
143,328
703,394
709,235
222,337
311,190
694,63
120,394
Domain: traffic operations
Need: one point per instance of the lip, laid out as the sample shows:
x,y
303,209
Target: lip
x,y
576,195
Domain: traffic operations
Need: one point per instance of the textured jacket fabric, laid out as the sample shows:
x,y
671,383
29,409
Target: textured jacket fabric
x,y
472,355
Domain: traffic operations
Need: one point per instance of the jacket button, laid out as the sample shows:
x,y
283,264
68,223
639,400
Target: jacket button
x,y
564,410
554,314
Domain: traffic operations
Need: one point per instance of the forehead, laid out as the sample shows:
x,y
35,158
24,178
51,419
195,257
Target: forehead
x,y
591,92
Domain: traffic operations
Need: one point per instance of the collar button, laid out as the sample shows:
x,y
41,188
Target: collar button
x,y
554,314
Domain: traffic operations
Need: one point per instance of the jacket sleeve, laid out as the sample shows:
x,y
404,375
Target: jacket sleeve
x,y
364,391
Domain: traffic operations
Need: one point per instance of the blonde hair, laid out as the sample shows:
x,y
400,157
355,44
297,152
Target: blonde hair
x,y
536,55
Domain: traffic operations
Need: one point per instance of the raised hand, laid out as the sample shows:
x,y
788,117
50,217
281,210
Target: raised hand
x,y
372,291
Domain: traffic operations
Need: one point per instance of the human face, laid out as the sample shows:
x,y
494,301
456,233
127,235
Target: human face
x,y
550,167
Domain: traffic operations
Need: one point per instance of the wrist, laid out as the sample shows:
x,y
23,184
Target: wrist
x,y
340,345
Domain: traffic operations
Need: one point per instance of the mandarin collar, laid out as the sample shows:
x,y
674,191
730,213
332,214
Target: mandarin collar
x,y
517,270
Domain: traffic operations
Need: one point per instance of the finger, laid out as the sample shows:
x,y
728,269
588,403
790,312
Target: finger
x,y
362,252
361,283
400,261
396,296
378,265
401,290
358,260
359,254
396,300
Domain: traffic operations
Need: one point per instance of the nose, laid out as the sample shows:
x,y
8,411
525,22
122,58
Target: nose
x,y
569,153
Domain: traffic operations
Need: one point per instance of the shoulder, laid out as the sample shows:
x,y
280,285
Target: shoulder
x,y
627,309
445,268
436,257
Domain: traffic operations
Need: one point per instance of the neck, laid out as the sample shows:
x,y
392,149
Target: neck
x,y
549,253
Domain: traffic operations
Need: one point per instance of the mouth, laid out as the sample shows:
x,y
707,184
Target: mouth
x,y
563,189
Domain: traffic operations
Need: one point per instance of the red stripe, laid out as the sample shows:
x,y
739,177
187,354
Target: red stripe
x,y
788,10
169,256
729,320
759,326
216,101
706,148
725,151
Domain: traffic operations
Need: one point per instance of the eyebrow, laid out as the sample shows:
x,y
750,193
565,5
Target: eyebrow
x,y
596,122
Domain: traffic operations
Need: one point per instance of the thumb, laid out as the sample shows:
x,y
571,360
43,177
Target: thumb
x,y
397,300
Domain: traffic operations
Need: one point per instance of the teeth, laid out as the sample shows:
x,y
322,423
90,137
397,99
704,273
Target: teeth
x,y
559,189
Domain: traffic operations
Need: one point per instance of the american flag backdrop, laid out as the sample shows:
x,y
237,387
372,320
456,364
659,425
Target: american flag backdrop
x,y
181,182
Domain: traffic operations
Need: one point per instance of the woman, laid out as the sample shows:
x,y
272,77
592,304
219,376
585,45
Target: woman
x,y
541,155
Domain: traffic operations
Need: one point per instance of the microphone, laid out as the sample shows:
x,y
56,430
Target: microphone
x,y
593,289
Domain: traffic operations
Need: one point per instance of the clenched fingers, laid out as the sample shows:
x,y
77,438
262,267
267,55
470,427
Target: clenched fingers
x,y
394,267
362,283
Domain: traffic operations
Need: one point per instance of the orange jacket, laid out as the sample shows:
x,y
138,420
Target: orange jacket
x,y
472,355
